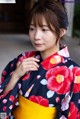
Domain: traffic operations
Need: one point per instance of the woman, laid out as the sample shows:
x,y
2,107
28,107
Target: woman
x,y
44,83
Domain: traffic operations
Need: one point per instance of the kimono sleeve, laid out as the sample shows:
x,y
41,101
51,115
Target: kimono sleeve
x,y
8,100
9,69
7,73
74,110
69,107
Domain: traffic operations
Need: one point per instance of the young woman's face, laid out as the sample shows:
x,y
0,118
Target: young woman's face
x,y
42,38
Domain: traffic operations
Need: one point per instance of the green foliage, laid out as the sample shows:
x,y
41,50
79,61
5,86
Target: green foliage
x,y
76,20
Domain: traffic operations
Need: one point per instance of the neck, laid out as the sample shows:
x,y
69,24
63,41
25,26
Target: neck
x,y
45,54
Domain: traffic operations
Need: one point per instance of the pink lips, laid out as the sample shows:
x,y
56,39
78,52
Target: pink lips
x,y
38,44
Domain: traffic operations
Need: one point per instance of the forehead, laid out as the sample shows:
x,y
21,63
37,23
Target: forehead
x,y
39,19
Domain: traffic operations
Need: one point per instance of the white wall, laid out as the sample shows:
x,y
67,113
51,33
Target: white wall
x,y
7,1
70,11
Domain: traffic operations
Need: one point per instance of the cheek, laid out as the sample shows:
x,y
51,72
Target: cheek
x,y
51,39
30,36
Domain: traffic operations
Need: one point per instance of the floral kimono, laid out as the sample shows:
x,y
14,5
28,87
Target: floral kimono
x,y
55,84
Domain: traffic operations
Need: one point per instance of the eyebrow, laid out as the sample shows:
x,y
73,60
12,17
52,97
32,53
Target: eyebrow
x,y
41,25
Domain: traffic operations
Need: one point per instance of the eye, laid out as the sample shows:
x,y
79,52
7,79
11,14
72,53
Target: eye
x,y
31,28
44,29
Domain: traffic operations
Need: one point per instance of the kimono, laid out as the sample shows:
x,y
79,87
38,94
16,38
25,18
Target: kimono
x,y
56,83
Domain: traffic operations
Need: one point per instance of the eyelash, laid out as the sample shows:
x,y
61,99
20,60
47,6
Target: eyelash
x,y
43,29
31,29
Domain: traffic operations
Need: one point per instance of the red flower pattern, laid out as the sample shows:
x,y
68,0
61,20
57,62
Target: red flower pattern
x,y
40,100
53,60
2,79
26,55
59,79
7,117
76,72
4,72
78,116
73,111
11,98
26,77
4,108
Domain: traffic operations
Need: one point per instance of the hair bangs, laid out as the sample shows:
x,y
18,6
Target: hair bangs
x,y
37,19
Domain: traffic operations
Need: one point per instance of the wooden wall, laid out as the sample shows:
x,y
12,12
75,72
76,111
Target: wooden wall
x,y
12,16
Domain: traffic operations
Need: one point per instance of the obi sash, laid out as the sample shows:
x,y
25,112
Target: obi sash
x,y
30,110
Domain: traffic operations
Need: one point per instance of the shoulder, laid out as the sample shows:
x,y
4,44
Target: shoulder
x,y
74,63
70,63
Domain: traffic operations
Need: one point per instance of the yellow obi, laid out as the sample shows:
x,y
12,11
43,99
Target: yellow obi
x,y
30,110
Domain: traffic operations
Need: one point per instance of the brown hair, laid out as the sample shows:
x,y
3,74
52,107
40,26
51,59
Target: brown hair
x,y
53,12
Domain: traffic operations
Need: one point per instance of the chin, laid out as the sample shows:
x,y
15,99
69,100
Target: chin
x,y
39,49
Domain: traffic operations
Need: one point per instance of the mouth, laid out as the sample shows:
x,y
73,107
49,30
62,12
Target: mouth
x,y
37,44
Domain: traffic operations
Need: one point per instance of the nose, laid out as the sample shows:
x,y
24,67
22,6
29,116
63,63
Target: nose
x,y
37,35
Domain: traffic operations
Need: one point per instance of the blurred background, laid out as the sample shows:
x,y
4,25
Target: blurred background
x,y
13,29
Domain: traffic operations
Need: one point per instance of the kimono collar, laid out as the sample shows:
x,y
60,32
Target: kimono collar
x,y
52,60
55,58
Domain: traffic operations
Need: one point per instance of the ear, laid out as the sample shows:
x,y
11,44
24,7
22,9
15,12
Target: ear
x,y
62,32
